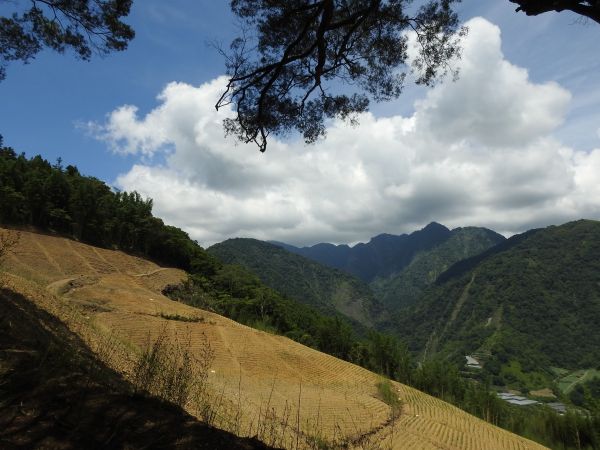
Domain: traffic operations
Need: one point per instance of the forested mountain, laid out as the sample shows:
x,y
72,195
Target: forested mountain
x,y
382,256
526,305
302,279
40,196
405,288
539,288
399,268
59,199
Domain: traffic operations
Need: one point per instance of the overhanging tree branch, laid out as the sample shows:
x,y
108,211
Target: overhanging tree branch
x,y
84,26
303,46
586,8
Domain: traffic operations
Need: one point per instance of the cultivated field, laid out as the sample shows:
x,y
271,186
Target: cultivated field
x,y
258,383
571,379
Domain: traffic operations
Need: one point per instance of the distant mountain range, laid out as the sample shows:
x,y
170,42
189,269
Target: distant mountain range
x,y
525,305
334,278
382,256
301,279
400,267
406,286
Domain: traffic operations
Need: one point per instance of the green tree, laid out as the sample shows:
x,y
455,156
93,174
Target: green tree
x,y
389,357
83,26
288,76
286,79
335,337
33,192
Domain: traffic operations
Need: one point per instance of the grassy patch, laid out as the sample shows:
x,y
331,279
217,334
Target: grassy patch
x,y
263,325
167,369
516,378
545,394
180,318
568,382
559,372
388,394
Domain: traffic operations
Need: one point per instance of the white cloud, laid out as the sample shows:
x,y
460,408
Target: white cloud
x,y
479,151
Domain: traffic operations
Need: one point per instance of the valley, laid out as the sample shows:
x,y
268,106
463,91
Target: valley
x,y
525,305
522,306
257,340
532,305
299,225
305,281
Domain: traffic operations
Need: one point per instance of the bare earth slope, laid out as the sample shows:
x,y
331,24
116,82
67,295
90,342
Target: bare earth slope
x,y
309,392
55,394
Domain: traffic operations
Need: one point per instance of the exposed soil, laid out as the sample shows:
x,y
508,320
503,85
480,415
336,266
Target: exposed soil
x,y
55,394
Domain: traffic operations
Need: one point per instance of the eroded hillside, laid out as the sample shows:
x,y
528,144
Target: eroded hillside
x,y
255,379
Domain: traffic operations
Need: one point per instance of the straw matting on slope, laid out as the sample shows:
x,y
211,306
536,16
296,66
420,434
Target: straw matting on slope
x,y
252,369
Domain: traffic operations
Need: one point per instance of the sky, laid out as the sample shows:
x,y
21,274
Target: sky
x,y
513,144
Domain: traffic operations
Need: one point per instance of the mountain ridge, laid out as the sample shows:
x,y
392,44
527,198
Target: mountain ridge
x,y
383,255
302,279
400,267
405,287
533,300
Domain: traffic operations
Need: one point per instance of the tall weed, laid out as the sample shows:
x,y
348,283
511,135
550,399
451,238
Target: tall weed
x,y
168,369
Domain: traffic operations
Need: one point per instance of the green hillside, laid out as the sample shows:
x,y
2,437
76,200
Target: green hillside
x,y
405,287
308,282
37,195
530,304
384,254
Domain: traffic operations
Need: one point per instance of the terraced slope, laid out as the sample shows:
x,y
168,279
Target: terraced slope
x,y
107,296
48,376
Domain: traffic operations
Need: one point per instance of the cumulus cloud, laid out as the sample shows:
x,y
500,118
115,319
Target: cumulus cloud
x,y
478,151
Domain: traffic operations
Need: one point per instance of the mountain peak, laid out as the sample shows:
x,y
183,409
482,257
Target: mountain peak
x,y
434,226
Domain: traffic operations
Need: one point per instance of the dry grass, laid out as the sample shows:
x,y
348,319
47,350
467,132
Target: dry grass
x,y
256,384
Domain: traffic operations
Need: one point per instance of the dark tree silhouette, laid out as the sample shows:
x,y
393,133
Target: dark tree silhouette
x,y
84,26
282,76
585,8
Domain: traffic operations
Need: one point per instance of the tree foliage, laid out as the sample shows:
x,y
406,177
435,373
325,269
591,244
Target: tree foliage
x,y
532,302
586,8
83,26
51,197
282,71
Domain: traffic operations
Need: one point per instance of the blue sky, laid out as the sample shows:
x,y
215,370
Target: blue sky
x,y
546,69
42,102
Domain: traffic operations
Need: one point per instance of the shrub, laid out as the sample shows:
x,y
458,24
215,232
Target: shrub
x,y
170,371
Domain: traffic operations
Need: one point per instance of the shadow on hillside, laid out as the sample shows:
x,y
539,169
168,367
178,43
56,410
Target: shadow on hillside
x,y
55,394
